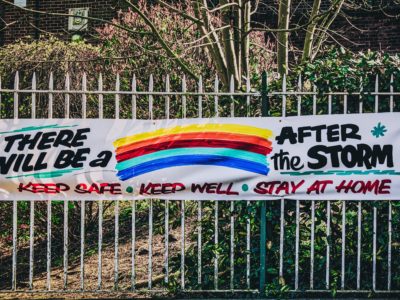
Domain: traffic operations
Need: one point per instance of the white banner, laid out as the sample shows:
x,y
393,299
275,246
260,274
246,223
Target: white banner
x,y
352,157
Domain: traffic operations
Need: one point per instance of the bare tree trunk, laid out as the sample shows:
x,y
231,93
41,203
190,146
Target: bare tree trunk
x,y
283,36
237,33
310,35
228,41
246,39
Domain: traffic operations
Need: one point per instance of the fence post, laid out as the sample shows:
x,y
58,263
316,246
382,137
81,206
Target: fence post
x,y
265,111
265,107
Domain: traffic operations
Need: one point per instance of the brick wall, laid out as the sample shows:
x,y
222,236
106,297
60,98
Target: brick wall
x,y
357,30
33,25
370,30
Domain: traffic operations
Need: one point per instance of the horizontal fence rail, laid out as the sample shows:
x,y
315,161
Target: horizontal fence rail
x,y
265,248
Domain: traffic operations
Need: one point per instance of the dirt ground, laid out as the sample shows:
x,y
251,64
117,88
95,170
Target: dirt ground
x,y
55,295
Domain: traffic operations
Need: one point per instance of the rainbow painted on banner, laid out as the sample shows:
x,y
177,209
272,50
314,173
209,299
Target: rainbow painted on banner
x,y
228,145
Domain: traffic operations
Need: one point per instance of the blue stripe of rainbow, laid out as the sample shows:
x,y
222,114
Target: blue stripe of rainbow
x,y
187,160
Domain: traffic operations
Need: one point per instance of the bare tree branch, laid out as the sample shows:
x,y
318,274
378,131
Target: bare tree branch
x,y
223,7
163,43
180,12
206,35
293,29
326,23
6,25
255,7
214,46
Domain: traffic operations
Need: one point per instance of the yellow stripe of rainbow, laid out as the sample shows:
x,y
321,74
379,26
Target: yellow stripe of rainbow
x,y
229,128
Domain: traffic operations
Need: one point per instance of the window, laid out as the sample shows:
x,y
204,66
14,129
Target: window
x,y
20,3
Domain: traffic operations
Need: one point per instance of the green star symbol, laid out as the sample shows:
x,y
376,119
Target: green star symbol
x,y
379,130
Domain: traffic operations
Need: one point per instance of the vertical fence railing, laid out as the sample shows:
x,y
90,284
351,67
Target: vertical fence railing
x,y
265,111
222,271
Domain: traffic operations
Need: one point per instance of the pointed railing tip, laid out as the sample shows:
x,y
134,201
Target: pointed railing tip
x,y
51,81
151,83
16,80
200,83
167,83
84,82
284,82
299,82
232,84
100,82
248,85
216,82
117,80
133,82
34,81
67,80
184,83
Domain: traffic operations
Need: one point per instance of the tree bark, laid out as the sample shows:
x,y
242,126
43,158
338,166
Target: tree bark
x,y
213,42
246,39
283,36
228,41
237,34
310,35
